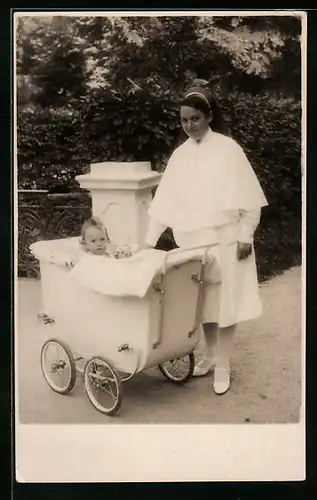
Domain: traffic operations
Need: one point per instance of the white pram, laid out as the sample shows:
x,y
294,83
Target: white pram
x,y
115,336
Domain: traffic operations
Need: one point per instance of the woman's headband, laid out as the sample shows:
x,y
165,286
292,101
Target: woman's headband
x,y
198,94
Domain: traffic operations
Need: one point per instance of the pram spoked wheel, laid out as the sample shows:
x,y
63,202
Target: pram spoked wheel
x,y
179,370
103,385
58,366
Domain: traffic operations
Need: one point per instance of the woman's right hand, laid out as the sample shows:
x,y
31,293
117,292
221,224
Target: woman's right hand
x,y
243,250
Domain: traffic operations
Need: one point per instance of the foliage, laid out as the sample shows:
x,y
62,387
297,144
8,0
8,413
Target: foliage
x,y
55,145
49,153
99,88
57,73
270,131
160,54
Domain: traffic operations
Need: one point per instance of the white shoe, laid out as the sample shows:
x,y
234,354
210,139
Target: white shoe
x,y
221,380
203,367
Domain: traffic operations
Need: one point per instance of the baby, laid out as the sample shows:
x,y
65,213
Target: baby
x,y
95,240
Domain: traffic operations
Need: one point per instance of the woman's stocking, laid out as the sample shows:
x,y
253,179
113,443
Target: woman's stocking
x,y
206,348
224,348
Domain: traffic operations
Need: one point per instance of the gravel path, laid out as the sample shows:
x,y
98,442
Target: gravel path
x,y
266,372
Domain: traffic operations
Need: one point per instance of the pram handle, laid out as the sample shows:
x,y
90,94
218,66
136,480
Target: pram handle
x,y
182,250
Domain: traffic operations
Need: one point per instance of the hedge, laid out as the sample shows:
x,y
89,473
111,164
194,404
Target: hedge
x,y
56,145
270,132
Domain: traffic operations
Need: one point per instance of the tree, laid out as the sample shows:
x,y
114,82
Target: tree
x,y
65,58
49,61
240,53
264,50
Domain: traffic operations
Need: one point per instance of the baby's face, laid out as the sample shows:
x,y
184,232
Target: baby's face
x,y
95,240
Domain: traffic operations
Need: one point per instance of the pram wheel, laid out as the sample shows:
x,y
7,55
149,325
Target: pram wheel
x,y
103,386
179,370
58,366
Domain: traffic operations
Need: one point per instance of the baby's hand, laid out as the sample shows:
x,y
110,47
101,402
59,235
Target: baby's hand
x,y
123,252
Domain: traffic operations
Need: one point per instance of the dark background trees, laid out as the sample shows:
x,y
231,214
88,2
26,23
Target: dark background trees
x,y
101,88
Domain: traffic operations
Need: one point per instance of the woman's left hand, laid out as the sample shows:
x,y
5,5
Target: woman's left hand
x,y
244,250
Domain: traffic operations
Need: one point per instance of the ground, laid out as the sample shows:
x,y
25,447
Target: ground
x,y
266,372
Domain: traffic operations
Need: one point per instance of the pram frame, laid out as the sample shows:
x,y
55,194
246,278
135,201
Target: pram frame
x,y
159,287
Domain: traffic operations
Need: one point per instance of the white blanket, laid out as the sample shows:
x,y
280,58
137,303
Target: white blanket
x,y
128,277
123,277
119,278
62,252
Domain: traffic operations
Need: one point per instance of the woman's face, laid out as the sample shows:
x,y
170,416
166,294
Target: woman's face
x,y
195,123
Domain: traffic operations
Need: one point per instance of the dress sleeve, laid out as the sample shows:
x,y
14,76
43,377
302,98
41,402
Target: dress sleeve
x,y
249,221
154,232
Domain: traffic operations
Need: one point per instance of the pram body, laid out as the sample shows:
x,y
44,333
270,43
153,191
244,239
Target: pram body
x,y
131,333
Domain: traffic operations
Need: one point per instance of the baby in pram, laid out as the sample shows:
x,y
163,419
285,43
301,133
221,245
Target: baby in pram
x,y
95,240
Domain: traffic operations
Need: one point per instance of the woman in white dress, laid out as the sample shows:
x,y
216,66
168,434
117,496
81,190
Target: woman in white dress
x,y
209,194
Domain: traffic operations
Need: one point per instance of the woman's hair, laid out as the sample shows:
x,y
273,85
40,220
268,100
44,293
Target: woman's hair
x,y
194,101
93,222
198,97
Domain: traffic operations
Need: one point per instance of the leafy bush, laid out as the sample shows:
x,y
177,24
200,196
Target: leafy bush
x,y
270,132
54,146
49,152
130,128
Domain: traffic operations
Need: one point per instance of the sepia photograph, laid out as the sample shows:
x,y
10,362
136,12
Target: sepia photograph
x,y
159,206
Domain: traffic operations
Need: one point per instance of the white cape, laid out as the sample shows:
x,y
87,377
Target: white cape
x,y
204,182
